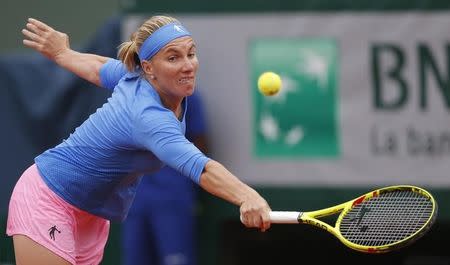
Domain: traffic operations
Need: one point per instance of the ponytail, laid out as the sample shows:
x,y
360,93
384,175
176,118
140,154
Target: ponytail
x,y
128,54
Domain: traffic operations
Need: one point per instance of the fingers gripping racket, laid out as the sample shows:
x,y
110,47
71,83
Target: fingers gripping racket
x,y
379,221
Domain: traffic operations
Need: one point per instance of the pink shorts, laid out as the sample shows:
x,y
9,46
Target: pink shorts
x,y
38,213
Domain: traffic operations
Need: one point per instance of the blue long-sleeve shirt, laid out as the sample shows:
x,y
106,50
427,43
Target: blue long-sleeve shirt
x,y
98,167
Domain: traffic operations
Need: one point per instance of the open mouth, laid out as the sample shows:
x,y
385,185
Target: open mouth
x,y
185,80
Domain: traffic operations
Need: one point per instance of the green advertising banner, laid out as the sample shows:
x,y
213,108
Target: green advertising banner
x,y
299,121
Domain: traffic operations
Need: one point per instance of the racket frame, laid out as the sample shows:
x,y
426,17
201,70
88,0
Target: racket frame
x,y
311,218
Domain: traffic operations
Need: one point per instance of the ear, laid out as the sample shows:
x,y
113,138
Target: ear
x,y
147,67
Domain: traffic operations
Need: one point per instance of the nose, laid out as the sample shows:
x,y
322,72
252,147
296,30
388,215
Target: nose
x,y
189,64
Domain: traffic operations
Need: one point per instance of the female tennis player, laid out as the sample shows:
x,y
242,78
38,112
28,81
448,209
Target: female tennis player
x,y
61,206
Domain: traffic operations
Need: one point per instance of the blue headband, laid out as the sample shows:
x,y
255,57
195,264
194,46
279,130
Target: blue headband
x,y
160,38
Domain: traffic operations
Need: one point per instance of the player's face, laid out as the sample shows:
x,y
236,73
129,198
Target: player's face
x,y
175,67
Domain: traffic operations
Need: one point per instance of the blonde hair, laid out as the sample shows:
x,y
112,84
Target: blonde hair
x,y
128,51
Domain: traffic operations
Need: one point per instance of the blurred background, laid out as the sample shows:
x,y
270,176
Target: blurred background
x,y
365,103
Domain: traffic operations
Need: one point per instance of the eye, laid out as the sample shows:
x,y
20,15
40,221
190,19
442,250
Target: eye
x,y
172,58
191,55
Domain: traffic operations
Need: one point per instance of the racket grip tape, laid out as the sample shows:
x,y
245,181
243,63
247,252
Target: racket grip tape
x,y
284,217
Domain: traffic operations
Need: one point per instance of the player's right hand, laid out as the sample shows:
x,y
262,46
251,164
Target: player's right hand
x,y
255,212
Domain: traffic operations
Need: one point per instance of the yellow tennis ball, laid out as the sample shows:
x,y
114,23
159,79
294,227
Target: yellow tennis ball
x,y
269,83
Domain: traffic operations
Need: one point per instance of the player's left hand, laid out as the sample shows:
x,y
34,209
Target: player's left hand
x,y
44,39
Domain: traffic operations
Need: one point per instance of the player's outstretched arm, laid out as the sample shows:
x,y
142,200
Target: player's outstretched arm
x,y
55,46
254,210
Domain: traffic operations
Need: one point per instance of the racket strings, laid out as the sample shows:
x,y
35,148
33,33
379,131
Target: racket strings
x,y
386,219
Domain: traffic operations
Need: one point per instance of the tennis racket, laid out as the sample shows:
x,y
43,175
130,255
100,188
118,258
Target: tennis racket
x,y
376,222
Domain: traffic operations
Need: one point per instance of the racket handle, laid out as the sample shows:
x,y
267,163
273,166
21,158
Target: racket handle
x,y
284,217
